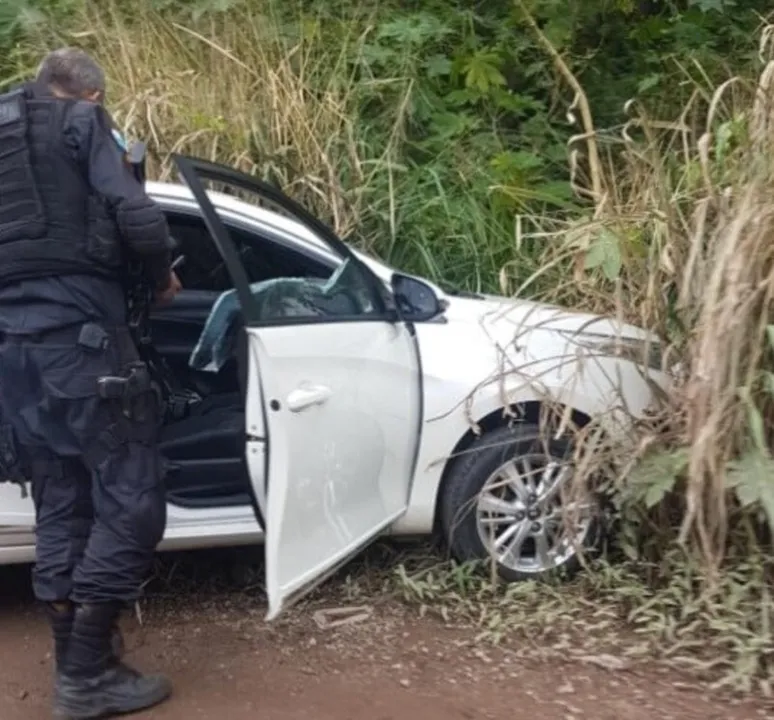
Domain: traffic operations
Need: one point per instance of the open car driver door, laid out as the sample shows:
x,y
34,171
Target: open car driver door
x,y
334,386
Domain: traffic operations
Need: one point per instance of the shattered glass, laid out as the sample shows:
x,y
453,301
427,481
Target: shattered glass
x,y
341,295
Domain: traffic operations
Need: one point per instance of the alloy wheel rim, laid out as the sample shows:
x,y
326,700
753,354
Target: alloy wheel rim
x,y
520,515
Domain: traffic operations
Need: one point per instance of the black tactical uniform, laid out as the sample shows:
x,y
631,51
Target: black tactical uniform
x,y
70,210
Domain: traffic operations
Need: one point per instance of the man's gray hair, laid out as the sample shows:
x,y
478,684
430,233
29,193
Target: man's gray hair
x,y
71,71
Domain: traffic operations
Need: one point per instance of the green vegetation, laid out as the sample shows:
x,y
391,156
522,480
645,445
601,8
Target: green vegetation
x,y
431,123
611,155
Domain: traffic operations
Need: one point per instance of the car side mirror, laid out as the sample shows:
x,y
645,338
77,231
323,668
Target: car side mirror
x,y
415,299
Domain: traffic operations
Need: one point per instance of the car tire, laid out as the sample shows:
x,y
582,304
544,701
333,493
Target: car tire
x,y
464,490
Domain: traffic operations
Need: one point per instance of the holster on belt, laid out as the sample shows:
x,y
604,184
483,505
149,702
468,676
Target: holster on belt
x,y
132,382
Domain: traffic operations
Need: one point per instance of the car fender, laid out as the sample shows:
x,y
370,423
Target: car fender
x,y
609,390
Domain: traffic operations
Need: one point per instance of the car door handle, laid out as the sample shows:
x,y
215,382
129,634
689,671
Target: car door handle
x,y
306,396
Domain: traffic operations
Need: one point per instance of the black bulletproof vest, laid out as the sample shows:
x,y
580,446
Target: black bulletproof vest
x,y
51,223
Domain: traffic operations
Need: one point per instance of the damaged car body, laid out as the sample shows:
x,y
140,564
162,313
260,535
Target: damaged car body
x,y
317,399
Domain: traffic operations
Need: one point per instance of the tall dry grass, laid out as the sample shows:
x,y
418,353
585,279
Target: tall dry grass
x,y
680,240
236,89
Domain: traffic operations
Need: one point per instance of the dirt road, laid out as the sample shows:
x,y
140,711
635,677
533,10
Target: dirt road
x,y
227,663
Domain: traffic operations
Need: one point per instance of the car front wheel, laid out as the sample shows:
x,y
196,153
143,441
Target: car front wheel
x,y
502,501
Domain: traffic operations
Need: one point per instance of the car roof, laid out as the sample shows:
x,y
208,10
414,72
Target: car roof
x,y
178,191
268,218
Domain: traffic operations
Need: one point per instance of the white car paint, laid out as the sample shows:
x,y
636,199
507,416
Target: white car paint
x,y
342,447
488,354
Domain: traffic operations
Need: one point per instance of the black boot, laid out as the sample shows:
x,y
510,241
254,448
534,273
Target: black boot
x,y
92,682
60,617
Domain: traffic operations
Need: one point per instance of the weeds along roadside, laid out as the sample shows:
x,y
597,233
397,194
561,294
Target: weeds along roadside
x,y
680,241
675,240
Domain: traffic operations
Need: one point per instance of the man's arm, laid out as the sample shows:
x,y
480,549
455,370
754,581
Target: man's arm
x,y
140,220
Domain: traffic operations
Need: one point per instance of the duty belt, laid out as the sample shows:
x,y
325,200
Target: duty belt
x,y
133,378
67,335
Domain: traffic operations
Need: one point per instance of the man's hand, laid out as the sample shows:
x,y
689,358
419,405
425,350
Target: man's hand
x,y
172,289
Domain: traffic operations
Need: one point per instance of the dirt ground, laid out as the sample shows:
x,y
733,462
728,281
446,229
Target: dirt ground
x,y
225,662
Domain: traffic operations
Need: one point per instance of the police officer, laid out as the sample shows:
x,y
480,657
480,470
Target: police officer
x,y
70,211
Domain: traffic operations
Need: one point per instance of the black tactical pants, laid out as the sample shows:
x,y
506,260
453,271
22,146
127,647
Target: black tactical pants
x,y
97,479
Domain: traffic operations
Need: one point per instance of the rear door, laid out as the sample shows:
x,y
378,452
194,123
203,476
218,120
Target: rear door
x,y
335,378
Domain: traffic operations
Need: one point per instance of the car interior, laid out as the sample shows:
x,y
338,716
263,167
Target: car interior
x,y
203,439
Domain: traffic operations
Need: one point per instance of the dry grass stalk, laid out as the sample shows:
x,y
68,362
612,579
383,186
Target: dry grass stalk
x,y
235,92
596,176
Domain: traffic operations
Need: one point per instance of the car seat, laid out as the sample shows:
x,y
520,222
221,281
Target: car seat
x,y
205,448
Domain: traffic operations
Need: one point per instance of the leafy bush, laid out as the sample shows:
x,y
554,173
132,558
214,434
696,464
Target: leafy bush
x,y
451,123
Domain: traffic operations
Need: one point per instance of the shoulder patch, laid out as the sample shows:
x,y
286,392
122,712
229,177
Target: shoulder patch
x,y
119,138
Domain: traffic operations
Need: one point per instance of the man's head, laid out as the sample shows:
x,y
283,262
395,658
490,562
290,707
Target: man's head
x,y
72,73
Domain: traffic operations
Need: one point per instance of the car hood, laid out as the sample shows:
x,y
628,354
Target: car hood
x,y
506,318
515,316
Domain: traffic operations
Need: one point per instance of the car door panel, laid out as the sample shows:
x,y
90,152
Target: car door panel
x,y
342,411
255,421
345,461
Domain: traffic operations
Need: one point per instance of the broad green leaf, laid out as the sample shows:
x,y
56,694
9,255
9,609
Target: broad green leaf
x,y
482,73
605,252
770,335
752,479
657,473
438,65
377,54
723,137
449,125
658,490
754,419
709,5
552,193
648,82
595,256
613,262
519,159
414,30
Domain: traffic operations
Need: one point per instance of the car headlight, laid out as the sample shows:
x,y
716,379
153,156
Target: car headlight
x,y
639,351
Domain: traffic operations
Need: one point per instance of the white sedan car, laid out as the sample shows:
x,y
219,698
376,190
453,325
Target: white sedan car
x,y
342,400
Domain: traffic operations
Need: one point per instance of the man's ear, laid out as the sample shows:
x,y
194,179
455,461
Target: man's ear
x,y
96,97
